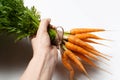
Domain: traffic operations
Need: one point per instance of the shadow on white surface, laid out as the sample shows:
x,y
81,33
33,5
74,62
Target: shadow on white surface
x,y
14,58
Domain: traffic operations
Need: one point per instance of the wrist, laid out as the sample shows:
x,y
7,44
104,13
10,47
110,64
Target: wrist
x,y
40,52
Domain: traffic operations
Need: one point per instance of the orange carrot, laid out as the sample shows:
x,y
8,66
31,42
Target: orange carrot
x,y
67,65
84,45
97,53
78,42
78,49
73,57
91,41
88,35
76,65
84,30
85,58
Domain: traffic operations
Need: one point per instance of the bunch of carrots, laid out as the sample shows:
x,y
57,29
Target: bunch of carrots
x,y
76,48
19,20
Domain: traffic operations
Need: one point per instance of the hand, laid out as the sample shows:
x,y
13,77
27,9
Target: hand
x,y
45,56
41,41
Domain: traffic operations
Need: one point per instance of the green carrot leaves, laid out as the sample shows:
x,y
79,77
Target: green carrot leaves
x,y
17,19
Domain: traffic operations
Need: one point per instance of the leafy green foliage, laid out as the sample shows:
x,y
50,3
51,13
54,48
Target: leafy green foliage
x,y
17,19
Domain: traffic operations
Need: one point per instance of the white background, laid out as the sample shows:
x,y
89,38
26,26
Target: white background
x,y
69,14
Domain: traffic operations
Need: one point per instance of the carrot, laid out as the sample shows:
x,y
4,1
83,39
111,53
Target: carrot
x,y
67,65
88,35
91,41
84,30
78,49
76,65
73,57
81,43
85,58
97,53
78,42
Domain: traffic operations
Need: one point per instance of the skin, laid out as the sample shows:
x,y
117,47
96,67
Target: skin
x,y
43,62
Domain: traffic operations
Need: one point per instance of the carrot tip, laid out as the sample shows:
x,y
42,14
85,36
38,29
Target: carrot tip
x,y
104,70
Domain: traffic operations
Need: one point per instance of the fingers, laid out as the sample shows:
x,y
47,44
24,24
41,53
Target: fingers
x,y
43,26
